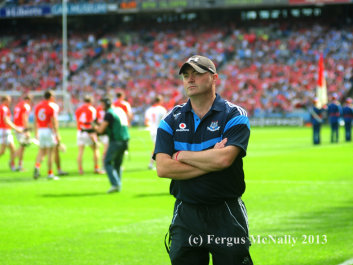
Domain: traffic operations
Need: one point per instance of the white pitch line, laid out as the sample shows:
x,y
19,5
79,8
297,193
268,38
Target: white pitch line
x,y
347,262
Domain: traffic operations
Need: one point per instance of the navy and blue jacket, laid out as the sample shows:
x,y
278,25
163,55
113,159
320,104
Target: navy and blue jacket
x,y
183,130
334,112
347,113
318,112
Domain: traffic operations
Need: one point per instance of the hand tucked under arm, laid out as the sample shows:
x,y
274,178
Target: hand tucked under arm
x,y
173,169
12,125
218,158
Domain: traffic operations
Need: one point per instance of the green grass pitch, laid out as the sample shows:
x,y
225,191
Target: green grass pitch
x,y
293,189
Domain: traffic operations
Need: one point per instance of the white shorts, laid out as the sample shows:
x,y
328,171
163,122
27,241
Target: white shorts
x,y
46,138
104,139
6,136
21,138
153,136
83,138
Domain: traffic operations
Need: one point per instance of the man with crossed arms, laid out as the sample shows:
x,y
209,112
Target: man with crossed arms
x,y
200,146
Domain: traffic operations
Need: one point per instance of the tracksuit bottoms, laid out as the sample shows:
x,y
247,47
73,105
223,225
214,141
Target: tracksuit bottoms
x,y
196,231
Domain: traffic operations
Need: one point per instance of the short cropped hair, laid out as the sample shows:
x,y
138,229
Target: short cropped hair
x,y
120,94
27,97
48,94
5,98
87,99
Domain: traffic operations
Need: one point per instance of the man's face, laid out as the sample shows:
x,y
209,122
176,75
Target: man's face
x,y
196,83
104,106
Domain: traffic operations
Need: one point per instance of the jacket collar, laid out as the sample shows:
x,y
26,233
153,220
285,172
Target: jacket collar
x,y
218,105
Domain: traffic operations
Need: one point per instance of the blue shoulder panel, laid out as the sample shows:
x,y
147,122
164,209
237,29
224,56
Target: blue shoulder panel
x,y
237,120
165,126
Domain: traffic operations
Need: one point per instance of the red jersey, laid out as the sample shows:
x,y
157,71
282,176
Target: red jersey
x,y
4,112
55,106
85,115
44,112
100,113
22,109
124,105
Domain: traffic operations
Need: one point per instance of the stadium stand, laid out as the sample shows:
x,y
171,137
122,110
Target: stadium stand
x,y
266,67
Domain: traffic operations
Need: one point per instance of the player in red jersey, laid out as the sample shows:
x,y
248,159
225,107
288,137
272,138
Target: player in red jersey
x,y
46,131
6,138
125,105
85,116
102,138
57,159
21,113
120,102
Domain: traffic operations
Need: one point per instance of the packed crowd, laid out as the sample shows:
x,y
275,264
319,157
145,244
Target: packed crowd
x,y
35,62
268,68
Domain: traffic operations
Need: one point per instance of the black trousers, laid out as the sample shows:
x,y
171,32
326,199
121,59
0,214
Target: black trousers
x,y
197,231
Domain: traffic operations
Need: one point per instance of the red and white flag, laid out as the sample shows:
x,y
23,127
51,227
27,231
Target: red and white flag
x,y
321,90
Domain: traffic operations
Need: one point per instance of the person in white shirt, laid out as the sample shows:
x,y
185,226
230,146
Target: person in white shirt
x,y
153,116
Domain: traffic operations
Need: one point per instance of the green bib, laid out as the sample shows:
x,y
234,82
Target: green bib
x,y
118,131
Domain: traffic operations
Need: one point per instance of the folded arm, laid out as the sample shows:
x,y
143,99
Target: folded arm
x,y
167,167
218,158
12,125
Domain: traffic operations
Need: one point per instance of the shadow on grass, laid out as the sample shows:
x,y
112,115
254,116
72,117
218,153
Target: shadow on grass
x,y
144,195
135,169
15,179
72,195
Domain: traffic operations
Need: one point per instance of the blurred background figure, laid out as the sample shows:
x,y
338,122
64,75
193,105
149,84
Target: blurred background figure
x,y
153,117
86,114
102,138
347,112
121,102
316,120
334,111
21,115
46,127
59,146
115,125
6,138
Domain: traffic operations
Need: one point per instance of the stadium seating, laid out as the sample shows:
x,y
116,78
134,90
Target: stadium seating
x,y
267,68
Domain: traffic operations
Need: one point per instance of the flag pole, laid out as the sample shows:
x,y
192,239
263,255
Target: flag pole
x,y
64,50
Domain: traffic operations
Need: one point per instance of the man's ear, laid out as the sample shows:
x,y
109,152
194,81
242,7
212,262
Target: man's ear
x,y
215,77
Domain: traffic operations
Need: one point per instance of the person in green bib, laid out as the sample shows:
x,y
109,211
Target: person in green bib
x,y
115,125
